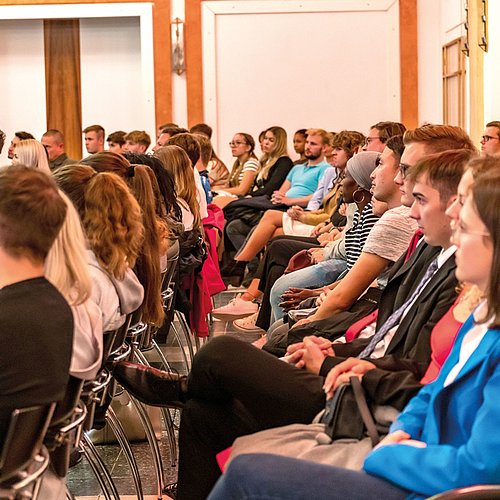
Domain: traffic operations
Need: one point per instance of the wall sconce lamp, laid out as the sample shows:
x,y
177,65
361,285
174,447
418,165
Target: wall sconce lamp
x,y
177,33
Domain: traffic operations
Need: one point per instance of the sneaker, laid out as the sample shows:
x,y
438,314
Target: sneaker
x,y
247,324
237,308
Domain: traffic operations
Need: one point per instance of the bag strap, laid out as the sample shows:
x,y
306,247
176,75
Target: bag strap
x,y
365,412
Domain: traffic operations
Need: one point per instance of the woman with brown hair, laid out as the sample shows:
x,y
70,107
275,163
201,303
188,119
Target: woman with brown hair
x,y
142,181
243,173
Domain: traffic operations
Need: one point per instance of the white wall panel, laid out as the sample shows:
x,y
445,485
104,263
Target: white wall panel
x,y
327,64
430,75
22,85
115,89
492,66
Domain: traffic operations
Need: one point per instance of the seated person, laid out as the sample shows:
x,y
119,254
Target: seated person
x,y
191,146
177,162
101,200
67,269
244,171
36,322
218,173
137,141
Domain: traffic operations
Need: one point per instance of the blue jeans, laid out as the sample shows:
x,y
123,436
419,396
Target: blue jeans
x,y
315,276
264,476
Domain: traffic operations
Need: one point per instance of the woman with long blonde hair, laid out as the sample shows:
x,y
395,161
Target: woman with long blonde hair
x,y
67,269
177,162
112,221
31,153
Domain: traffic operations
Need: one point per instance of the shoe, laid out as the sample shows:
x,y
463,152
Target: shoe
x,y
152,386
247,324
235,309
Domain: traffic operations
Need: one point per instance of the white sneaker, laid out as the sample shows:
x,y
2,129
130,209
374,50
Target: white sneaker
x,y
247,324
237,308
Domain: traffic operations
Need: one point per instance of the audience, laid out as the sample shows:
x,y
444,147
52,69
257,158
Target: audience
x,y
380,300
436,432
225,398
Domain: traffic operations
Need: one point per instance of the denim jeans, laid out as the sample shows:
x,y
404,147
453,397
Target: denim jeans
x,y
264,476
315,276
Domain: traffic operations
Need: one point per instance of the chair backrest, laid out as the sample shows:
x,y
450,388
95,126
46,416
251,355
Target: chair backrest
x,y
27,428
172,261
65,407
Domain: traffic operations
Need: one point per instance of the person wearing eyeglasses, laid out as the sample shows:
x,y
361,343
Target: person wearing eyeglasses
x,y
244,171
490,141
380,133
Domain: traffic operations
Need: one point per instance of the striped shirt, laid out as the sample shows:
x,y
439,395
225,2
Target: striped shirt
x,y
355,236
251,165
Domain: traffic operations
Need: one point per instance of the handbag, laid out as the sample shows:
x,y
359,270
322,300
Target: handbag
x,y
336,436
347,414
300,260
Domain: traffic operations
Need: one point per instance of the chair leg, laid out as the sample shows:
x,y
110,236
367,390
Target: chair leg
x,y
153,443
187,333
121,437
181,347
163,359
169,426
98,466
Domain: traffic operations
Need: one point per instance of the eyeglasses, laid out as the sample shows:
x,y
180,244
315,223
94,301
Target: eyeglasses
x,y
403,168
236,143
487,138
369,140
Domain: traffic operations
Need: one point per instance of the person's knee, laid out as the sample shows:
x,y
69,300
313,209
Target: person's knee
x,y
217,351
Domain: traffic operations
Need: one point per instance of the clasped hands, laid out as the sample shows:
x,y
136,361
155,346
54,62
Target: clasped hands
x,y
312,351
279,198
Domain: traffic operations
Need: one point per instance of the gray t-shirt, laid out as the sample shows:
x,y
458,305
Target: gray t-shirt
x,y
390,237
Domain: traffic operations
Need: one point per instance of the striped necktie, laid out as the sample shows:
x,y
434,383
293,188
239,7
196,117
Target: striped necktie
x,y
396,316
